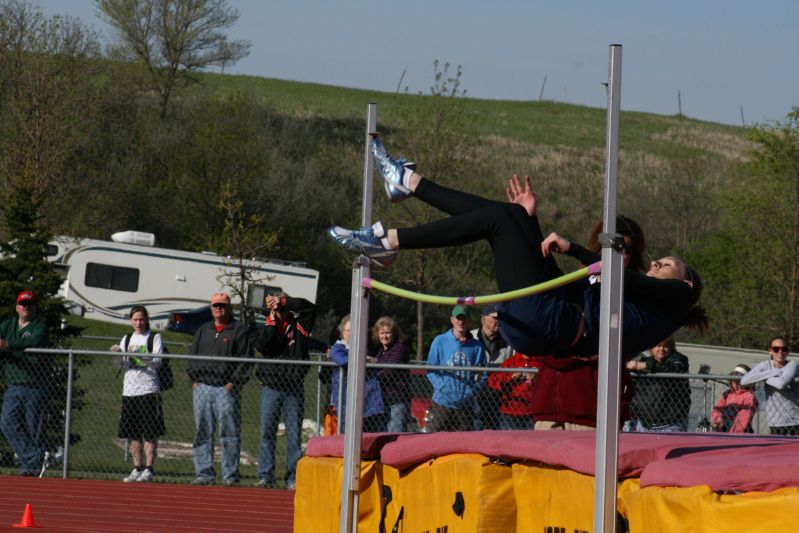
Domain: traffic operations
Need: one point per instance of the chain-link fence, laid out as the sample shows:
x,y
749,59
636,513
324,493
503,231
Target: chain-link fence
x,y
78,406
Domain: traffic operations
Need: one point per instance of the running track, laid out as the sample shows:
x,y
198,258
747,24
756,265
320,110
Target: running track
x,y
89,505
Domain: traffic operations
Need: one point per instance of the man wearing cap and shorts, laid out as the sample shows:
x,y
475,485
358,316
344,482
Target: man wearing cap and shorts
x,y
488,400
217,391
25,400
454,391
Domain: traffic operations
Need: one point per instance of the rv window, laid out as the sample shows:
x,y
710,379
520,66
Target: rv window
x,y
112,277
50,250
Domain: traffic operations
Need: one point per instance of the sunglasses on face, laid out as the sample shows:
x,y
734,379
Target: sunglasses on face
x,y
219,306
778,349
26,304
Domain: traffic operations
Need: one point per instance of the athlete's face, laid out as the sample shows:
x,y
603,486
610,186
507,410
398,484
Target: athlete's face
x,y
666,268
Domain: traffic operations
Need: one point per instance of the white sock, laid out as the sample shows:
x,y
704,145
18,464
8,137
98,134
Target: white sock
x,y
406,178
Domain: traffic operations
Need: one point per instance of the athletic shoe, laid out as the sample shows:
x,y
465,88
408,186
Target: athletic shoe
x,y
365,241
392,170
202,481
291,485
264,484
134,475
231,482
146,475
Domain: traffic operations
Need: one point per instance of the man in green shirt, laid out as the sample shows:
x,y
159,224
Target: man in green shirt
x,y
25,401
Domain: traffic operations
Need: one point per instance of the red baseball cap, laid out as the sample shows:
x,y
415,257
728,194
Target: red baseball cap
x,y
26,296
220,298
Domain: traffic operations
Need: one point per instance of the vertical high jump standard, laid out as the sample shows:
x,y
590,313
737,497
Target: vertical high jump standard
x,y
610,319
612,294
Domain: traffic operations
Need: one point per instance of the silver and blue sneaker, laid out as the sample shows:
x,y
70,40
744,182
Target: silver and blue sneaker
x,y
392,171
365,241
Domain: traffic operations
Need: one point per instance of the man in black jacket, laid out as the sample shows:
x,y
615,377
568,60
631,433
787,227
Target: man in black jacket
x,y
285,336
661,404
217,391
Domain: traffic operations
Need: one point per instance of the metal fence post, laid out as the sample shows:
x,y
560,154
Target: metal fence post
x,y
68,412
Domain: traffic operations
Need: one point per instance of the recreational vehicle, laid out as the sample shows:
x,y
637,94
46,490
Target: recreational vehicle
x,y
104,279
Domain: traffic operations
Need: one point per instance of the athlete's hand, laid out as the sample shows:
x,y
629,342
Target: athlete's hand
x,y
524,196
554,243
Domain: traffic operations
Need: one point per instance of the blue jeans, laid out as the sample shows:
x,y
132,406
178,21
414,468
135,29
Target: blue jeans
x,y
23,424
516,422
398,415
271,402
212,406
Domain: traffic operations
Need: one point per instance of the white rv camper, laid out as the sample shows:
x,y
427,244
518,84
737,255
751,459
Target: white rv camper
x,y
104,279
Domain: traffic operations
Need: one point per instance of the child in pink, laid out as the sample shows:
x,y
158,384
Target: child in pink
x,y
734,410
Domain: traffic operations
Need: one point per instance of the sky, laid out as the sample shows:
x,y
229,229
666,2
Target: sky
x,y
717,59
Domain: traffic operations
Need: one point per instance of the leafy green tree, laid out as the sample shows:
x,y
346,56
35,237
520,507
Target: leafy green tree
x,y
173,38
47,66
247,238
752,263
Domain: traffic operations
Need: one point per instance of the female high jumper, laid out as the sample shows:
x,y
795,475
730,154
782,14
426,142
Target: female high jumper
x,y
560,321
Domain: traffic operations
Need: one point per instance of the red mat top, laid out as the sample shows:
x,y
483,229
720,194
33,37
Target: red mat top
x,y
723,461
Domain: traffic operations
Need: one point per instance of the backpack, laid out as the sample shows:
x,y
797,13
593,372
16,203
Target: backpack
x,y
165,376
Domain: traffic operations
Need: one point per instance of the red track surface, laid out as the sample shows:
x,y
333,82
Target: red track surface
x,y
88,505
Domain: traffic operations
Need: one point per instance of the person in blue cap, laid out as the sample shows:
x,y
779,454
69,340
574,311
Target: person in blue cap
x,y
454,390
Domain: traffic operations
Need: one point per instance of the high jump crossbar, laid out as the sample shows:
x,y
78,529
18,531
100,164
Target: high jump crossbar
x,y
369,283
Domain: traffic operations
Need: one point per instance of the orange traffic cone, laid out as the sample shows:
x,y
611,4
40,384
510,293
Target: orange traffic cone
x,y
27,518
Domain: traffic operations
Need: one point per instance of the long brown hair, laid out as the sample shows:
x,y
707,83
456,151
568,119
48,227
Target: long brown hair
x,y
697,315
628,228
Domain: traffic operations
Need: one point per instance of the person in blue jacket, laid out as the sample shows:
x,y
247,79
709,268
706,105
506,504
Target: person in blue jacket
x,y
454,390
373,408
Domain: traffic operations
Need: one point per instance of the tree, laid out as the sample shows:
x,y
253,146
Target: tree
x,y
47,90
173,38
246,238
752,262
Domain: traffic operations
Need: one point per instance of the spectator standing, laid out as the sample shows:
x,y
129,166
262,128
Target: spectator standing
x,y
782,394
734,411
216,391
393,383
454,390
24,411
373,420
516,390
661,404
285,337
488,400
142,419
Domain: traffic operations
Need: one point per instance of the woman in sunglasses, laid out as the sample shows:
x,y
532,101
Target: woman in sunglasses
x,y
782,394
560,321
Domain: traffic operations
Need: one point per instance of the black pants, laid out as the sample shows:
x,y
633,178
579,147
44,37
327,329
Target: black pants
x,y
514,236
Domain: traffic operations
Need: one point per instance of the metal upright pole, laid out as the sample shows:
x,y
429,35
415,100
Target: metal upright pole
x,y
610,322
68,413
356,368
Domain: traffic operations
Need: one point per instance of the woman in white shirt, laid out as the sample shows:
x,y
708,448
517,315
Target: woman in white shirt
x,y
142,419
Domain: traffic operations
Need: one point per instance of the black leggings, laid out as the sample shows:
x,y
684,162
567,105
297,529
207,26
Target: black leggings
x,y
514,236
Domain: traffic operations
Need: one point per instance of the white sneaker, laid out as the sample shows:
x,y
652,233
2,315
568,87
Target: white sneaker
x,y
134,476
146,475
